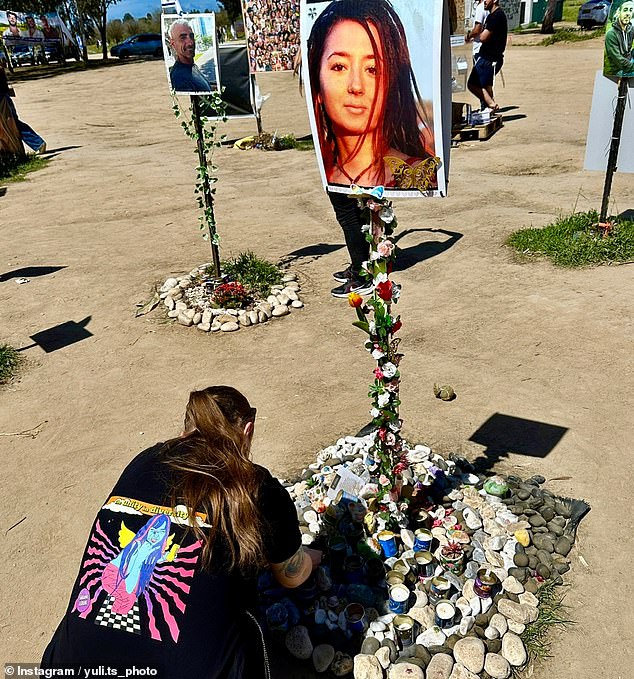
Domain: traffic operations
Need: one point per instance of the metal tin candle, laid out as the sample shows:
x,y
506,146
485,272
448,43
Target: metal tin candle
x,y
338,549
356,619
404,627
374,570
445,614
425,563
399,597
421,519
422,540
387,540
438,589
486,583
395,578
353,568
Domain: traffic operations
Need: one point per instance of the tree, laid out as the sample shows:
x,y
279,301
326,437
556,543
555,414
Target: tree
x,y
114,31
97,11
549,17
233,8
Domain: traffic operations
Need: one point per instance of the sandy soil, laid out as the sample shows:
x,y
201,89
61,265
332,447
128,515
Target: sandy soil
x,y
115,208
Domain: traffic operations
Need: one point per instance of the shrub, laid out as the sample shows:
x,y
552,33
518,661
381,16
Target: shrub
x,y
256,275
9,361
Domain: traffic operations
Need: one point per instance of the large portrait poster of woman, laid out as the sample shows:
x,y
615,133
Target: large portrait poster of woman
x,y
373,72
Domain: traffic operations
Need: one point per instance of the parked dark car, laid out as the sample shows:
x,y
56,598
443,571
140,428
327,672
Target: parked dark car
x,y
593,13
143,44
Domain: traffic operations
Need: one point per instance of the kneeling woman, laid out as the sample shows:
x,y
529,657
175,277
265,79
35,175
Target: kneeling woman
x,y
166,580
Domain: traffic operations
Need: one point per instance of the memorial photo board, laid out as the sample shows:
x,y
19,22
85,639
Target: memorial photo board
x,y
618,59
190,52
377,79
272,30
34,37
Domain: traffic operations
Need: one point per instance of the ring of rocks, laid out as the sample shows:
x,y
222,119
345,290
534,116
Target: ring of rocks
x,y
188,301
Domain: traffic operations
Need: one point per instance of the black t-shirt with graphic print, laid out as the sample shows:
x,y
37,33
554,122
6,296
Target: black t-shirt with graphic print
x,y
141,599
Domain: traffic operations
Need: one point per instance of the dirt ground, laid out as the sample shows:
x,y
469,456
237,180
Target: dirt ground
x,y
115,208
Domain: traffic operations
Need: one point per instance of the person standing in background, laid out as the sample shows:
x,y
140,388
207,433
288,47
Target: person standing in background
x,y
490,56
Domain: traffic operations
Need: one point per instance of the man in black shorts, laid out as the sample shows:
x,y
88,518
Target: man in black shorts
x,y
491,56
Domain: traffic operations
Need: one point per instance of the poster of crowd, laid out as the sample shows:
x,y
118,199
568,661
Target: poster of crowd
x,y
272,30
35,37
190,52
377,78
618,58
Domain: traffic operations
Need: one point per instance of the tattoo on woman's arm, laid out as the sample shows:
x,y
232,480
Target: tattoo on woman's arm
x,y
293,566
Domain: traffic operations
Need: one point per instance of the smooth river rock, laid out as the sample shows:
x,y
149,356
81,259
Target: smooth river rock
x,y
522,613
229,326
367,667
406,670
470,652
323,655
440,666
496,666
298,642
513,649
280,310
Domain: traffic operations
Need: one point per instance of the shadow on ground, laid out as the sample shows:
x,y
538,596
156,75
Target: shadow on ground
x,y
504,434
30,272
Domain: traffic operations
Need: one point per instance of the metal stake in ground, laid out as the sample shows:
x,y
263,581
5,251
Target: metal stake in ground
x,y
207,195
614,147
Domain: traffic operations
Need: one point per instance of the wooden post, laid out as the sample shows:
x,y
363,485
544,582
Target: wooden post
x,y
207,194
614,147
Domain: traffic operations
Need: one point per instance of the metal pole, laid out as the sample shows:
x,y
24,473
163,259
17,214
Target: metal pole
x,y
207,195
614,147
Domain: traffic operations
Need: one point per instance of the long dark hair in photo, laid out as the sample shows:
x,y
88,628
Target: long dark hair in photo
x,y
215,475
402,119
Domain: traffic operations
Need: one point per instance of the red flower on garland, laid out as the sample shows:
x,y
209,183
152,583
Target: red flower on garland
x,y
378,373
382,433
384,290
397,326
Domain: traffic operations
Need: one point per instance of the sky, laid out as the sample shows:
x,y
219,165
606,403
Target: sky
x,y
139,8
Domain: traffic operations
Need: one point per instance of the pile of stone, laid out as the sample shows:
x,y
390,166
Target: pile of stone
x,y
347,617
188,300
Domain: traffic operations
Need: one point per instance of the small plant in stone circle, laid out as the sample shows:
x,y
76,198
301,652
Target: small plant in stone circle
x,y
252,291
377,319
208,142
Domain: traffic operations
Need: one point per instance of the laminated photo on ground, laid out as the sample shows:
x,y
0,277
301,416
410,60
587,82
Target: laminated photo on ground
x,y
189,49
377,76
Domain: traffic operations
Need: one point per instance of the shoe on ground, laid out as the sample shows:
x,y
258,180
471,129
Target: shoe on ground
x,y
343,276
353,285
486,110
42,148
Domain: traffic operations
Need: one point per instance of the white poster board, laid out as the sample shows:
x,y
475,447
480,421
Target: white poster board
x,y
377,78
601,123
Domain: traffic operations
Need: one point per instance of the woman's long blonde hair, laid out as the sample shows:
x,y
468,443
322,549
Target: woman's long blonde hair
x,y
214,475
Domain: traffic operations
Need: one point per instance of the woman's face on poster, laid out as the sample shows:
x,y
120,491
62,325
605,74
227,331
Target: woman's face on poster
x,y
350,79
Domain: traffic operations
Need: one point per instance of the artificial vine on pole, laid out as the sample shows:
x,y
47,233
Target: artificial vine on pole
x,y
203,130
377,319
